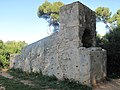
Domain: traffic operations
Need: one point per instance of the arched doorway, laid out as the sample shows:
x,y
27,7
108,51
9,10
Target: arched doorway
x,y
86,38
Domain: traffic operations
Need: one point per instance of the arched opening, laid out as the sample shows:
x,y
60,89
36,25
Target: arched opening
x,y
86,38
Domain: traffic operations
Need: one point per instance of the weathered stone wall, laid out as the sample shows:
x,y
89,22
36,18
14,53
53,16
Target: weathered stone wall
x,y
70,53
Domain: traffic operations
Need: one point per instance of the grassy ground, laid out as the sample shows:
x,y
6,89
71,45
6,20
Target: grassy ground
x,y
13,84
39,82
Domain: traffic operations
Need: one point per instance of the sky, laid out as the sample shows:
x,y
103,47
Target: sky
x,y
19,20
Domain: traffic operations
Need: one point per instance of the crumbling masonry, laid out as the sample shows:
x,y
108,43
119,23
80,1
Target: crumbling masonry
x,y
70,53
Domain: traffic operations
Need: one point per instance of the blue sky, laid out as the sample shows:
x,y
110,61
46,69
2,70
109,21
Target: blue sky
x,y
19,21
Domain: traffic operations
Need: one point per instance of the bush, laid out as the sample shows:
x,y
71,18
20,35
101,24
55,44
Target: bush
x,y
7,48
111,42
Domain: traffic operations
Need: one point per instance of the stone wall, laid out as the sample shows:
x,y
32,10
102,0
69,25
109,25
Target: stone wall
x,y
70,53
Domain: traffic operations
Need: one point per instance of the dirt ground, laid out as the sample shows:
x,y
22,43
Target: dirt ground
x,y
108,85
114,84
5,74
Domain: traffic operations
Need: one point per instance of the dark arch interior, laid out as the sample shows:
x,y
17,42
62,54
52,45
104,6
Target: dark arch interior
x,y
86,38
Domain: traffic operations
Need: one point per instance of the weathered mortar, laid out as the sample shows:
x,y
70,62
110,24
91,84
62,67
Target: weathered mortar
x,y
70,53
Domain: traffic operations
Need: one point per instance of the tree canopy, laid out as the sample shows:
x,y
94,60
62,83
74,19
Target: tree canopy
x,y
103,14
116,18
50,12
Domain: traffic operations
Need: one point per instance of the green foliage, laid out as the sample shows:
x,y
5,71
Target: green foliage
x,y
111,42
50,9
55,8
10,47
103,14
99,40
113,50
116,18
3,60
50,12
45,8
14,47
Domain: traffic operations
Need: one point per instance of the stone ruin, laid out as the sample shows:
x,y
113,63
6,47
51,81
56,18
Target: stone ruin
x,y
70,53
